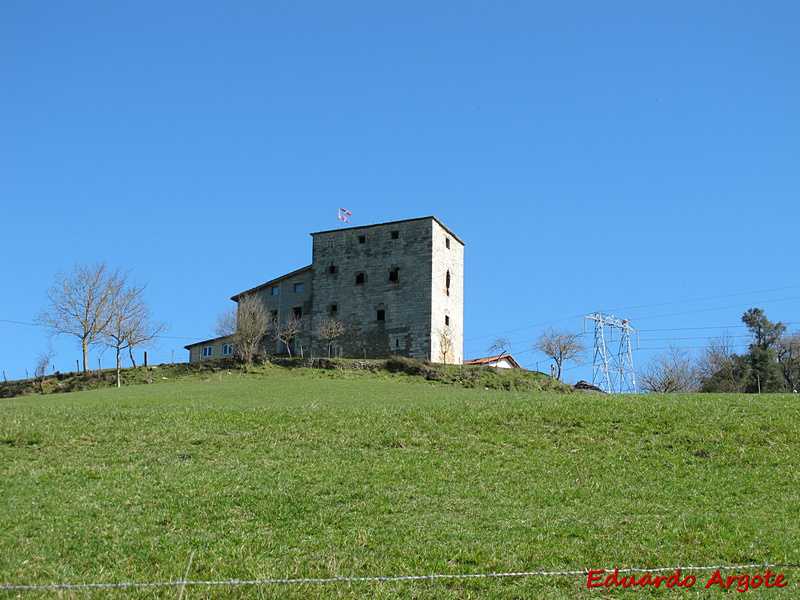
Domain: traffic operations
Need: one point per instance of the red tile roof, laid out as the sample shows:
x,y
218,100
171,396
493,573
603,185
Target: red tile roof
x,y
491,359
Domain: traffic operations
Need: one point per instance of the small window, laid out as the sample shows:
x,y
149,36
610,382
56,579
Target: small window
x,y
447,320
447,282
332,270
362,239
395,235
394,274
275,290
273,316
207,350
360,278
447,242
227,350
298,287
333,309
397,342
298,312
381,315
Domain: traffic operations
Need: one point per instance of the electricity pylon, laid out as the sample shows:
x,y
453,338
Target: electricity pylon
x,y
613,372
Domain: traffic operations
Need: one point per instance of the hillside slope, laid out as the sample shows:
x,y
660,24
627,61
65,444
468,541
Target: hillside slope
x,y
330,476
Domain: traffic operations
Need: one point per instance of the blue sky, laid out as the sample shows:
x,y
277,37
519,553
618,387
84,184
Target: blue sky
x,y
637,158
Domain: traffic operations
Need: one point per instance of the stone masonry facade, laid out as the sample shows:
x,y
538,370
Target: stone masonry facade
x,y
398,288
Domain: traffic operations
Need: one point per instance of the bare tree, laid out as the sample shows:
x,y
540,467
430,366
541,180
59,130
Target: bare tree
x,y
131,323
787,350
446,343
719,368
667,372
42,363
245,326
330,329
561,346
81,303
501,345
285,330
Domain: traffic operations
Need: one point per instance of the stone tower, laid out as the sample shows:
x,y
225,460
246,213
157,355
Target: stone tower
x,y
398,287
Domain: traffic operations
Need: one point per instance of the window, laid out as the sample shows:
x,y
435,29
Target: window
x,y
381,315
273,316
333,309
394,274
447,320
298,312
227,349
395,235
447,282
361,278
207,350
362,239
447,242
275,290
298,287
332,270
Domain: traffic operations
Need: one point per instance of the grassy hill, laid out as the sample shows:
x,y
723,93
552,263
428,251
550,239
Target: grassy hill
x,y
301,473
394,368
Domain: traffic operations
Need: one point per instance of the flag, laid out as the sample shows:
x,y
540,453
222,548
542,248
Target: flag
x,y
346,212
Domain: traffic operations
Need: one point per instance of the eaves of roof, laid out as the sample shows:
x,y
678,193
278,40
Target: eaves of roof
x,y
445,227
490,359
270,283
211,341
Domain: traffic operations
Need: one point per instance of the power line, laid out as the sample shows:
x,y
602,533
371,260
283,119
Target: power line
x,y
480,337
161,337
689,312
791,287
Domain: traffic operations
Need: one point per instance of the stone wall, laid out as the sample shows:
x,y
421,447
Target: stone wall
x,y
286,301
398,287
378,280
447,296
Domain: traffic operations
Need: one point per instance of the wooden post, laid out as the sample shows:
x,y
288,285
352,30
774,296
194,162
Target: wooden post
x,y
145,358
173,357
77,366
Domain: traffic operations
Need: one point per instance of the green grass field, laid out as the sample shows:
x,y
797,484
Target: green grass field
x,y
294,475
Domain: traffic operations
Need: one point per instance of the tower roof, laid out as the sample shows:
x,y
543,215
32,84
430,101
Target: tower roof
x,y
360,227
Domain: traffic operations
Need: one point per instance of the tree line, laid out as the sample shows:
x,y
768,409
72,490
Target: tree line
x,y
770,365
99,306
249,325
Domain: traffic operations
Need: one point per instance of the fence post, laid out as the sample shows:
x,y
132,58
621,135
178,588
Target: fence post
x,y
145,358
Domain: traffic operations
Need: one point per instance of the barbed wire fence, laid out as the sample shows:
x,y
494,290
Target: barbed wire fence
x,y
183,583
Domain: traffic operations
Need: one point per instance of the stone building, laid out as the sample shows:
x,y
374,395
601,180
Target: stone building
x,y
398,288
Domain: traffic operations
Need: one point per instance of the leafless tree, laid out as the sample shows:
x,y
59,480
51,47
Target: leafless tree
x,y
285,329
81,303
719,368
43,361
669,371
561,346
446,343
787,350
501,345
245,326
330,329
131,324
